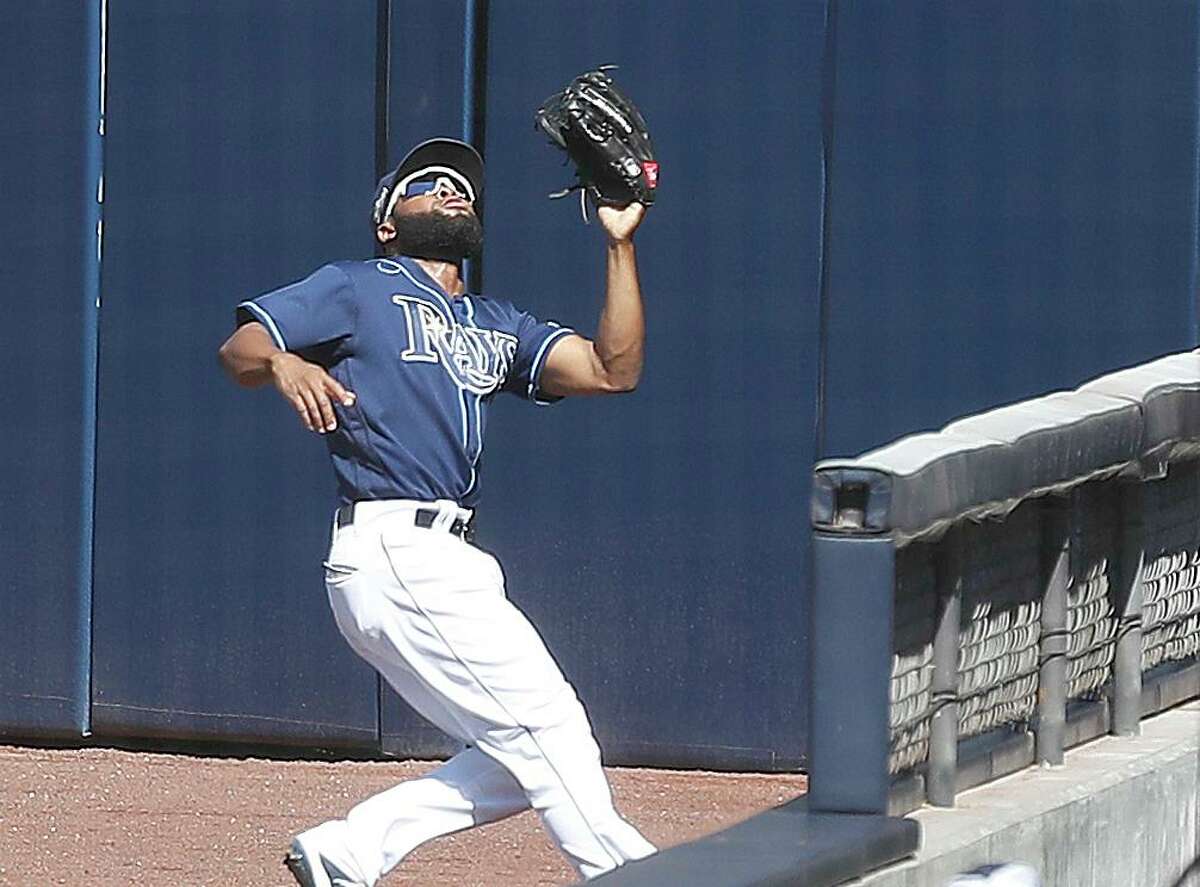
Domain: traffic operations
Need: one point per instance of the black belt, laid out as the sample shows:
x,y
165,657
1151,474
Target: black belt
x,y
422,517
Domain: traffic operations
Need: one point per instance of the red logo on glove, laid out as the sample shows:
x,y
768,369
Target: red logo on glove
x,y
650,168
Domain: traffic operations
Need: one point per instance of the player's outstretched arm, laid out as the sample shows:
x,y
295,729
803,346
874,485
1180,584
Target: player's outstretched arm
x,y
613,362
252,360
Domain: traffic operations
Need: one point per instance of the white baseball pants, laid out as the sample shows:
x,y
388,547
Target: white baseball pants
x,y
429,612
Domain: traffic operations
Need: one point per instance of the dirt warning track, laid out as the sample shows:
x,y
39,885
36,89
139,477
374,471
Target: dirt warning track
x,y
103,816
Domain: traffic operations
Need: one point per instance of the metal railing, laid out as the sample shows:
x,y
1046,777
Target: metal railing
x,y
1016,583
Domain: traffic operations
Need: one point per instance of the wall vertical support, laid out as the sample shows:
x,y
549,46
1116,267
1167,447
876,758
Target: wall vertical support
x,y
1127,660
851,667
1056,527
942,774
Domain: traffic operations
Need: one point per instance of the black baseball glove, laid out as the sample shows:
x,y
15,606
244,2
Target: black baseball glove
x,y
605,136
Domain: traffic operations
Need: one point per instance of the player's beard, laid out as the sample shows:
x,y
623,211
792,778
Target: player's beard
x,y
436,235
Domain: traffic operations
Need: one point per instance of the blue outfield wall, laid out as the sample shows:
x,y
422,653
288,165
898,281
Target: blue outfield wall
x,y
240,155
1006,203
1012,204
655,538
47,230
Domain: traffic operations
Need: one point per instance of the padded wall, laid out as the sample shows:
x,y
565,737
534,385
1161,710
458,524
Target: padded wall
x,y
240,156
658,539
1012,204
45,236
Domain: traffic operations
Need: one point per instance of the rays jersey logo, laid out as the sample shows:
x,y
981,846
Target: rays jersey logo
x,y
477,360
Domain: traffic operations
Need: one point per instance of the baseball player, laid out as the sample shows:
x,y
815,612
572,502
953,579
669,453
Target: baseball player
x,y
396,364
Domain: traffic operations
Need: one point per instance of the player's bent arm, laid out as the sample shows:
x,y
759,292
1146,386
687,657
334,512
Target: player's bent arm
x,y
573,367
246,355
252,359
612,364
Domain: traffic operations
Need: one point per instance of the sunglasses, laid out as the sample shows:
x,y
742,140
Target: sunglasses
x,y
433,184
428,180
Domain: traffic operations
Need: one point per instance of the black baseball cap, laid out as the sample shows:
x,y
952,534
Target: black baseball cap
x,y
443,156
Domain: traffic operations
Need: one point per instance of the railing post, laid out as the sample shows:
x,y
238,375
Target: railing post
x,y
941,776
1052,676
1127,659
851,668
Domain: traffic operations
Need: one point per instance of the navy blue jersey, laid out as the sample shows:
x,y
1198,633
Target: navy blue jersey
x,y
424,366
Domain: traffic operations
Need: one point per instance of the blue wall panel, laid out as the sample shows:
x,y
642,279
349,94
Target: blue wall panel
x,y
1012,204
428,72
659,540
426,97
43,240
240,156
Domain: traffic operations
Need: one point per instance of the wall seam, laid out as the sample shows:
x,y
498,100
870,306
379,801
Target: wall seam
x,y
92,260
383,81
1194,275
474,117
828,95
383,78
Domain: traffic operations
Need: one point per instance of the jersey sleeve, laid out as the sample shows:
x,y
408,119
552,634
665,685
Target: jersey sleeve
x,y
316,313
535,339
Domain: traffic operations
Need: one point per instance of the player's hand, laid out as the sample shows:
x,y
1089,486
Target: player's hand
x,y
619,223
309,389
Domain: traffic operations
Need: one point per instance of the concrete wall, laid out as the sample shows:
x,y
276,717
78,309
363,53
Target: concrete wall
x,y
1121,812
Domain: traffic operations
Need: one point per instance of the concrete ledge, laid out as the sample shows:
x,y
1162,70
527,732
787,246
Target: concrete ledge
x,y
1120,812
789,845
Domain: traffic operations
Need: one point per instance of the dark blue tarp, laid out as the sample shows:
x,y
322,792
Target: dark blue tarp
x,y
658,539
240,156
1012,204
45,238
